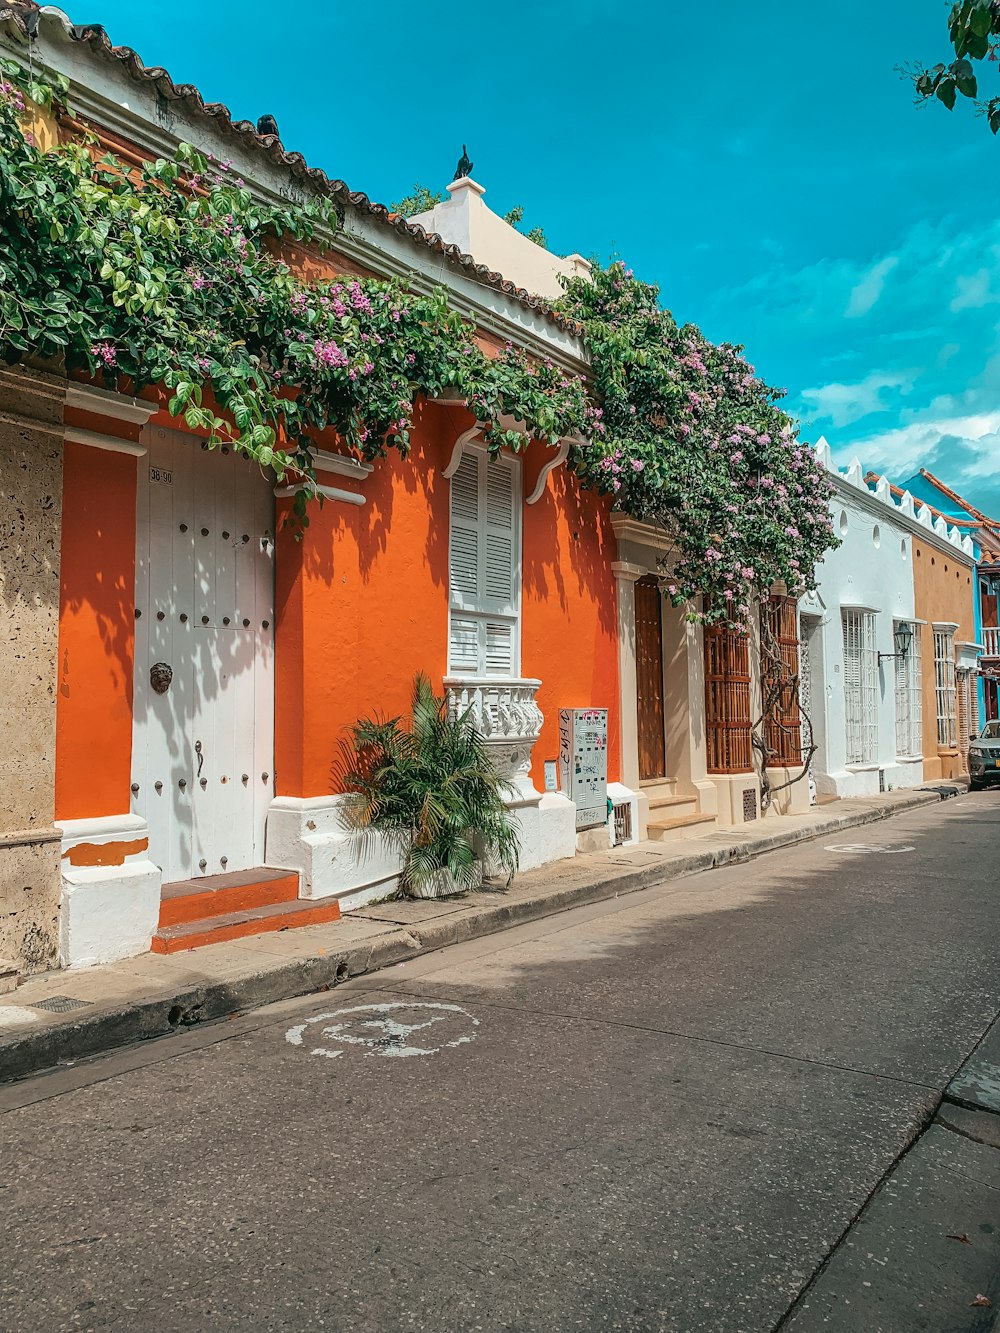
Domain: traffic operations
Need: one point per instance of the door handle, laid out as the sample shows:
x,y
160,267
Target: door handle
x,y
201,757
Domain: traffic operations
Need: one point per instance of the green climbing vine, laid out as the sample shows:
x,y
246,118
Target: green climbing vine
x,y
690,439
172,274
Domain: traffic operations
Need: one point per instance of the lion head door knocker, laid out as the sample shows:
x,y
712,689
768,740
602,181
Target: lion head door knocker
x,y
160,676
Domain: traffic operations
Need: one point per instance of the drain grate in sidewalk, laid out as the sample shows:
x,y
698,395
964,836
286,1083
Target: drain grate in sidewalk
x,y
61,1004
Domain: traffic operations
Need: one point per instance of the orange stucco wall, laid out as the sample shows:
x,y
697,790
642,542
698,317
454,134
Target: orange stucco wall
x,y
96,633
569,607
942,592
362,604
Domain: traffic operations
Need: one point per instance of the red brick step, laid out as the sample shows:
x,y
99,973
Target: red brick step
x,y
219,895
237,925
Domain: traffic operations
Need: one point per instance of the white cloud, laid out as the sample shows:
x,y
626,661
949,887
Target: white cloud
x,y
972,291
906,446
916,382
866,293
842,404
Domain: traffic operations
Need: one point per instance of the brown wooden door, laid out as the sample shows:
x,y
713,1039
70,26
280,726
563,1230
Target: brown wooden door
x,y
649,677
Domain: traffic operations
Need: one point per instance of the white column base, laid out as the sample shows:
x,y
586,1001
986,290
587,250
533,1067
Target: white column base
x,y
307,834
863,779
548,826
729,790
110,910
638,805
792,799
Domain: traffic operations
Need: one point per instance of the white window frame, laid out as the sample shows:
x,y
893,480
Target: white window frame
x,y
909,696
945,686
481,614
860,685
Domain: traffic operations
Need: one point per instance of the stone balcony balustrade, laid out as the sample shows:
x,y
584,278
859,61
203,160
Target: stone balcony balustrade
x,y
505,714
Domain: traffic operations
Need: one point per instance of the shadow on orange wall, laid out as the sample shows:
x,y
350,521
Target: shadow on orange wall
x,y
96,633
569,606
362,603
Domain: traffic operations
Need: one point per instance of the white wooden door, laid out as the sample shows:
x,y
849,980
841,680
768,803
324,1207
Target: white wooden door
x,y
202,747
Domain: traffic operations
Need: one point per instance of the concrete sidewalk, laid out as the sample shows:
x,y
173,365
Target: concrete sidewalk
x,y
63,1016
925,1251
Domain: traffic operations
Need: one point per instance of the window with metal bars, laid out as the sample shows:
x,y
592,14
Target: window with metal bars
x,y
860,686
944,688
780,683
727,701
909,701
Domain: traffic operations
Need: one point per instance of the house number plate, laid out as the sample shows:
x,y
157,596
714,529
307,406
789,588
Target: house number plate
x,y
161,475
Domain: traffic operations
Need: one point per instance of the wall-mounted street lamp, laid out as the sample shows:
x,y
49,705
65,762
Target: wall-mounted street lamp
x,y
902,639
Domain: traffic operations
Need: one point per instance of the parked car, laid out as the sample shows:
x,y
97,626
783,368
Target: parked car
x,y
984,756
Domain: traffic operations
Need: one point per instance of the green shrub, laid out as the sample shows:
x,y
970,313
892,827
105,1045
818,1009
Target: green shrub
x,y
429,788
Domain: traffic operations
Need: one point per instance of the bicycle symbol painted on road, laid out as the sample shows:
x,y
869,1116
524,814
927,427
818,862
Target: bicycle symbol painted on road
x,y
386,1029
865,847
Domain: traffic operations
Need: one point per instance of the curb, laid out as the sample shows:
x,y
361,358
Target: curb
x,y
25,1052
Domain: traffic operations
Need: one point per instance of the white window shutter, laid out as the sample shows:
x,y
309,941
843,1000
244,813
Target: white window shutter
x,y
465,560
463,644
500,534
499,648
484,567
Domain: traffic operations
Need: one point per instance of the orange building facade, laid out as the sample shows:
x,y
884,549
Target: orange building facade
x,y
943,591
211,655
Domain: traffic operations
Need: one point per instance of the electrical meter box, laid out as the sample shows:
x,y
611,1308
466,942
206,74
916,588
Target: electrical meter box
x,y
583,763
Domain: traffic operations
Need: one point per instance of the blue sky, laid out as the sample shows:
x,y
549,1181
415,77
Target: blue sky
x,y
764,163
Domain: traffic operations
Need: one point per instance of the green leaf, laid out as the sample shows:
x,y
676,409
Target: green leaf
x,y
946,92
981,19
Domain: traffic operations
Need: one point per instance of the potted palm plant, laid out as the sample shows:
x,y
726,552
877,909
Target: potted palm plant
x,y
429,788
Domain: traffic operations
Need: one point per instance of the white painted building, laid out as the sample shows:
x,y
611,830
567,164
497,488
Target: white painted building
x,y
863,643
463,219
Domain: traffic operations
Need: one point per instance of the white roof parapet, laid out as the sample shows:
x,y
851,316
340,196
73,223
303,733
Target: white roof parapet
x,y
824,453
906,509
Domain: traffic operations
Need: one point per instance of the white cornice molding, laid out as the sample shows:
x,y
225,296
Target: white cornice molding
x,y
88,398
98,439
342,464
812,604
469,436
328,492
632,530
626,572
458,449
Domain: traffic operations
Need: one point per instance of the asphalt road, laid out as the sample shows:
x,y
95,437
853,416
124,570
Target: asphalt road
x,y
666,1112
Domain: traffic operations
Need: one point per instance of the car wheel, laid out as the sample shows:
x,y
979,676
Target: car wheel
x,y
976,786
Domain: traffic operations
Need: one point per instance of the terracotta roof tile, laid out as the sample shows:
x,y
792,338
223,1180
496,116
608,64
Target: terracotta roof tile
x,y
25,13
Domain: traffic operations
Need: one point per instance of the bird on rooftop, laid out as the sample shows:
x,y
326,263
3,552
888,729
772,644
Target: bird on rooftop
x,y
267,125
464,167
